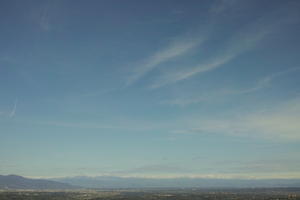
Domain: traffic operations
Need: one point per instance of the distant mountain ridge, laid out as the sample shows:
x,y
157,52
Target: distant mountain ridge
x,y
19,182
133,182
114,182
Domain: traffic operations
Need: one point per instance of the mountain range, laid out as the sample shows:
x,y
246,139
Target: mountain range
x,y
133,182
114,182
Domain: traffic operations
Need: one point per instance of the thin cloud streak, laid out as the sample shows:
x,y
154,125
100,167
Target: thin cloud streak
x,y
119,124
244,40
260,84
156,169
280,123
177,48
237,47
265,82
220,6
13,111
185,74
44,20
180,46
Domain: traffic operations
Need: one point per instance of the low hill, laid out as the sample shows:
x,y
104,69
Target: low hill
x,y
19,182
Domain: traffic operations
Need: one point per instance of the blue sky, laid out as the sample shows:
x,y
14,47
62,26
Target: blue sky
x,y
150,88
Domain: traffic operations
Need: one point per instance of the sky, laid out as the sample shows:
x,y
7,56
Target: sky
x,y
140,88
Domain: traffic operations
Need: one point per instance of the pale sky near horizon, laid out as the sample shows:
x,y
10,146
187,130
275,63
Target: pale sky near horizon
x,y
170,88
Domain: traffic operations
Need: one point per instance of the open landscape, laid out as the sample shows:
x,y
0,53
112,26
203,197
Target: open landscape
x,y
149,100
13,187
157,194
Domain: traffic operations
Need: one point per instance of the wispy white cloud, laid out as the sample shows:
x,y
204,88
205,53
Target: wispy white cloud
x,y
46,15
176,48
279,123
242,41
265,82
156,169
282,123
181,45
266,165
13,111
237,45
221,5
44,20
221,93
75,125
117,124
184,101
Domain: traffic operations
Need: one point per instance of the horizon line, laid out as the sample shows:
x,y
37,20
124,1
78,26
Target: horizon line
x,y
219,177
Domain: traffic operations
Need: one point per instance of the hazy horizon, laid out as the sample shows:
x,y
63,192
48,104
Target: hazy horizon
x,y
142,88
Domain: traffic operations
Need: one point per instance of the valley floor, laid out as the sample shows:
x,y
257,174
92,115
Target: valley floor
x,y
155,194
